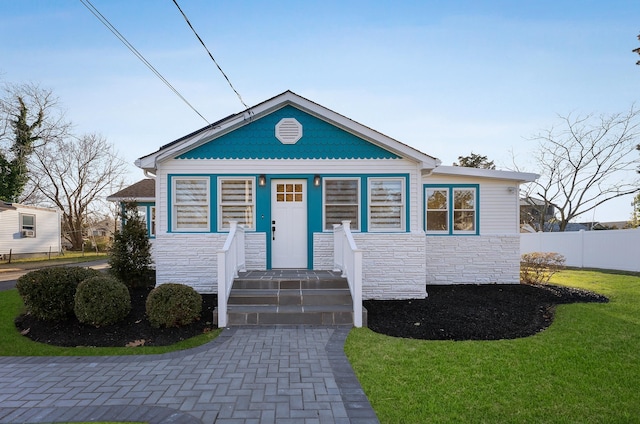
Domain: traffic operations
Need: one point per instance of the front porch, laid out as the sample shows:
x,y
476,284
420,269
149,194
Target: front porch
x,y
290,297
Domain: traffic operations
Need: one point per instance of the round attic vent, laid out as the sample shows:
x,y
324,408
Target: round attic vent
x,y
288,131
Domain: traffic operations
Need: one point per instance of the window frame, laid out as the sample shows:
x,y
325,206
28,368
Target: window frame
x,y
220,204
447,210
152,221
31,227
402,204
174,204
451,189
358,181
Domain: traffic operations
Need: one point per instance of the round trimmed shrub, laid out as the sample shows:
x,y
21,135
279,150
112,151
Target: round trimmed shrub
x,y
102,300
173,305
48,293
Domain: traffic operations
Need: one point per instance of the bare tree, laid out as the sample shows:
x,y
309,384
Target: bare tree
x,y
75,174
30,117
586,162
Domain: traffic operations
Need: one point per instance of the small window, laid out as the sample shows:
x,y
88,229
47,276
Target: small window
x,y
451,210
386,204
152,228
437,210
236,202
464,210
191,204
341,202
27,225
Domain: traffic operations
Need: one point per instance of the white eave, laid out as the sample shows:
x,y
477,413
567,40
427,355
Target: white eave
x,y
522,177
229,124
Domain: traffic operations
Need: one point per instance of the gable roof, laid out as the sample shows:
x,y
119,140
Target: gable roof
x,y
232,122
142,191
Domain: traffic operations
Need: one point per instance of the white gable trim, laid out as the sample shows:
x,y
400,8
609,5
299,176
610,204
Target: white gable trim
x,y
150,162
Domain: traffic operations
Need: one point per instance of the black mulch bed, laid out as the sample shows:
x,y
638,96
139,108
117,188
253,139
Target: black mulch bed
x,y
133,329
474,312
456,312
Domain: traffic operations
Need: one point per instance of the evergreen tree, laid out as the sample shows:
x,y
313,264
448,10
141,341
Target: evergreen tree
x,y
131,251
475,160
13,171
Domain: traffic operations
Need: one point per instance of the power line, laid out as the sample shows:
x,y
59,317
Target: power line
x,y
210,55
139,55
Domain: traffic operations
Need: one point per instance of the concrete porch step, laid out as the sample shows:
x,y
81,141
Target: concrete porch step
x,y
289,315
290,297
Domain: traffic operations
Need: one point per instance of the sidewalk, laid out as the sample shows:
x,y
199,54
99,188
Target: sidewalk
x,y
246,375
10,273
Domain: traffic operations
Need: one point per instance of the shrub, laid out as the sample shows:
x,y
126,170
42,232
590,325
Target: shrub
x,y
102,300
539,267
48,293
130,258
173,305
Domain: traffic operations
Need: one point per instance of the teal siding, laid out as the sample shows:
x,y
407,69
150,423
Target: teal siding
x,y
257,140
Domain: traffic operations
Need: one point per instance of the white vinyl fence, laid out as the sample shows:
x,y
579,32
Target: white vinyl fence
x,y
607,249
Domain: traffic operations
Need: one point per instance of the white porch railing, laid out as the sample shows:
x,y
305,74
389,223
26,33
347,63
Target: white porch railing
x,y
348,259
231,259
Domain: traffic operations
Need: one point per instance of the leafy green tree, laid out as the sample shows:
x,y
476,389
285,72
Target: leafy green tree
x,y
475,161
131,251
14,175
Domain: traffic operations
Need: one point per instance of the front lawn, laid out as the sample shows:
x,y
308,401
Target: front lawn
x,y
12,343
584,368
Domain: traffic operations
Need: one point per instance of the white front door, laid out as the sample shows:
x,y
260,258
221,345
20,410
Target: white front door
x,y
289,224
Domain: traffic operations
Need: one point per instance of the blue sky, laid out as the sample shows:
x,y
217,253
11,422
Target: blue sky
x,y
446,77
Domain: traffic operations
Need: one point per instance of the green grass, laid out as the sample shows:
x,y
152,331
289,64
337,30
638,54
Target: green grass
x,y
68,258
12,343
584,368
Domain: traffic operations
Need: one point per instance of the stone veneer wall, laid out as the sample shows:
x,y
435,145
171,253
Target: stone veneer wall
x,y
473,259
394,265
191,259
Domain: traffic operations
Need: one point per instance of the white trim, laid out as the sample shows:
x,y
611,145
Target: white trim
x,y
485,173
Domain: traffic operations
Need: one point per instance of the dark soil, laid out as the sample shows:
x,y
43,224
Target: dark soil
x,y
456,312
474,312
134,329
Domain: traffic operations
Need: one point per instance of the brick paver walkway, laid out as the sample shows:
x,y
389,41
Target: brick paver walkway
x,y
246,375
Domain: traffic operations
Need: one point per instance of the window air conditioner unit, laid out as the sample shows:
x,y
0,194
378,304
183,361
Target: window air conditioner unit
x,y
28,233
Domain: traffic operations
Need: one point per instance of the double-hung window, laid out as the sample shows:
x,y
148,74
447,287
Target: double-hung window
x,y
341,202
451,210
236,200
191,203
386,204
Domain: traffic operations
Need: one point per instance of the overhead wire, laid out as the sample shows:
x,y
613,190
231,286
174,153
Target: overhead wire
x,y
210,55
105,22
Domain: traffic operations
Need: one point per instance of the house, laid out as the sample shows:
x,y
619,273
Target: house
x,y
291,172
28,230
535,213
144,194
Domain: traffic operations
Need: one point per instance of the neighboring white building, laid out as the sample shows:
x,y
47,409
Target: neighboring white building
x,y
289,169
28,230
